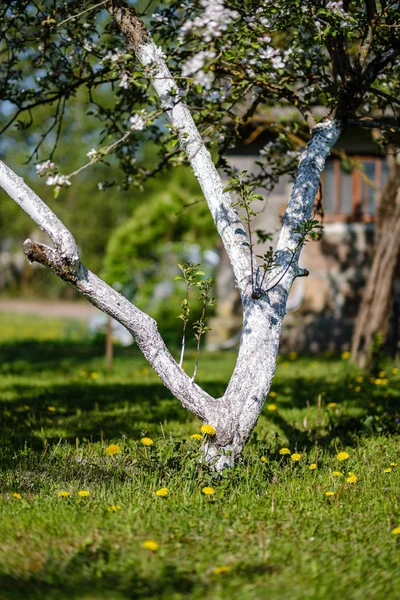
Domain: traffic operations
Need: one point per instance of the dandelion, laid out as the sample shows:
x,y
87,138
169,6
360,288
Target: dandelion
x,y
114,508
208,491
357,389
264,459
208,429
83,493
26,407
162,492
382,373
284,451
64,494
345,355
295,457
342,456
222,569
150,545
393,464
395,370
272,394
396,531
271,407
389,470
351,478
329,494
16,495
360,379
293,355
312,467
196,436
94,375
113,449
332,405
146,441
51,408
337,474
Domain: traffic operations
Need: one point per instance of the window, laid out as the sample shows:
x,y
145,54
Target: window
x,y
353,196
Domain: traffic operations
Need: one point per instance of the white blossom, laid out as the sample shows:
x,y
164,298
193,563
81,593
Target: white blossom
x,y
212,22
44,167
137,122
58,180
92,153
124,83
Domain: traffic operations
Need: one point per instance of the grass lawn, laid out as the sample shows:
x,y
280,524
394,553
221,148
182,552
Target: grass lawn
x,y
276,528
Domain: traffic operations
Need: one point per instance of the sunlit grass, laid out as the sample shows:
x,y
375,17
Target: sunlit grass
x,y
81,512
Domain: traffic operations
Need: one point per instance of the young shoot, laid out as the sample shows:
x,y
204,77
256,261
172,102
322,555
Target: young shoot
x,y
189,271
200,327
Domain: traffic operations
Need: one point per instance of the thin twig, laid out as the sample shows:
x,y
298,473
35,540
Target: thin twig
x,y
82,13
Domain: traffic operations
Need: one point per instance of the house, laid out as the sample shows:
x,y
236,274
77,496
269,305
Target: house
x,y
321,307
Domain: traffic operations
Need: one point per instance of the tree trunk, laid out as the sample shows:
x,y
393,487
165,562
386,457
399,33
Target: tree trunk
x,y
372,321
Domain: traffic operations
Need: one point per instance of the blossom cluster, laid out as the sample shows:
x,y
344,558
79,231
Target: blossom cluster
x,y
212,22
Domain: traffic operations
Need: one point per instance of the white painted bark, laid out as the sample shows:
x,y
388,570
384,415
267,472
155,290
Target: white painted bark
x,y
39,212
226,218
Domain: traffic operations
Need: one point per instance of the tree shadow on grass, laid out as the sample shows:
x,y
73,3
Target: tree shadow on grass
x,y
79,579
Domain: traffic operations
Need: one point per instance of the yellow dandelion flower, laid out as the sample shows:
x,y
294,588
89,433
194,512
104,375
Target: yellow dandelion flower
x,y
284,451
196,436
94,375
382,374
393,464
337,474
396,531
83,373
272,394
293,355
357,389
372,404
16,495
312,467
146,441
351,478
114,508
345,355
395,370
329,494
264,459
162,492
150,545
332,405
295,457
360,379
64,494
83,493
343,456
271,407
113,449
222,569
389,470
26,407
208,491
51,408
208,429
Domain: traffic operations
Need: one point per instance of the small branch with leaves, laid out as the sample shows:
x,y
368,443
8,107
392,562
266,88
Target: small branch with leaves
x,y
189,273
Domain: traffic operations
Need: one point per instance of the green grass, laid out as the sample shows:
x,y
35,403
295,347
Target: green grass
x,y
269,521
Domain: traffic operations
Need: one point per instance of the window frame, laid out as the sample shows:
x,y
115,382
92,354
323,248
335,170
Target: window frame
x,y
358,213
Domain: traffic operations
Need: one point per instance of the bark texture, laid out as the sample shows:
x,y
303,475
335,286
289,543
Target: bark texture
x,y
372,321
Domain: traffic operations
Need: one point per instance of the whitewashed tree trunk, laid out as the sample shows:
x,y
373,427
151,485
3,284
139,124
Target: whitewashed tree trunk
x,y
235,414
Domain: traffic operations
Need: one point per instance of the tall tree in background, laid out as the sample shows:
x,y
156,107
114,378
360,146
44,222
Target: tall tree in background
x,y
226,60
372,323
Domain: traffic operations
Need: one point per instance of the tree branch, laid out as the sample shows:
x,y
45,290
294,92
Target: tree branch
x,y
64,261
227,220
